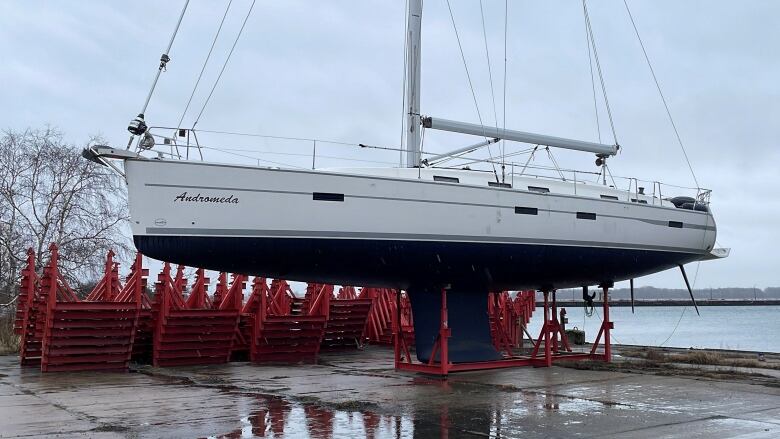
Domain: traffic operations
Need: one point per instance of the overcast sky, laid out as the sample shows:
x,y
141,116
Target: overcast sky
x,y
333,70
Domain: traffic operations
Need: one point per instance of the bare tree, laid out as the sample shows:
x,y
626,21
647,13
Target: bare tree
x,y
49,193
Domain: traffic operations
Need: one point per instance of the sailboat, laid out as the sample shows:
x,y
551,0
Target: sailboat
x,y
416,227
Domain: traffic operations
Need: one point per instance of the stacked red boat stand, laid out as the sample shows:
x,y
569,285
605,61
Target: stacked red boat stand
x,y
192,332
62,333
117,322
273,333
347,317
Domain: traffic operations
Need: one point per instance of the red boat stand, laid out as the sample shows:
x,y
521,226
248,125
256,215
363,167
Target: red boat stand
x,y
547,340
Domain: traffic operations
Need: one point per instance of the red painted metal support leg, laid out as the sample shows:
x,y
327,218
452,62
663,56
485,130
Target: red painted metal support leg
x,y
557,328
607,327
444,335
544,335
554,322
546,329
397,330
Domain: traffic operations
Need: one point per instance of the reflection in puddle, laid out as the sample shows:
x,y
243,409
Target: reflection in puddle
x,y
574,405
273,417
458,412
319,422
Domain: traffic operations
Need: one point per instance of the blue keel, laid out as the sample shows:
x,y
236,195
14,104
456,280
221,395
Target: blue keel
x,y
467,319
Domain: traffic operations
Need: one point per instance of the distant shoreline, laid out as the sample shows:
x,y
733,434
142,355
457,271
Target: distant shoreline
x,y
674,302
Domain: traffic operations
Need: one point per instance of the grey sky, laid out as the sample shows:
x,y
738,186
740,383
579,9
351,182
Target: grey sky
x,y
333,70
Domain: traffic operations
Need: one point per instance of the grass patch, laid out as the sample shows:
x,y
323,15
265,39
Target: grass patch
x,y
698,357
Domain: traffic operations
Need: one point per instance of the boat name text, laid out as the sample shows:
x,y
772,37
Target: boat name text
x,y
198,198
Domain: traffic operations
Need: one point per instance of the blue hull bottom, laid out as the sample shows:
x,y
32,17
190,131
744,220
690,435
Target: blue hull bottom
x,y
401,264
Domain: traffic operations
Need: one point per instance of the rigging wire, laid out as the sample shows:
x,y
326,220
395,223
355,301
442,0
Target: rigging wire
x,y
268,136
165,58
251,157
302,139
203,69
290,154
367,146
592,79
527,164
422,143
240,31
598,68
468,76
660,93
606,167
555,163
530,157
470,160
490,74
605,171
693,285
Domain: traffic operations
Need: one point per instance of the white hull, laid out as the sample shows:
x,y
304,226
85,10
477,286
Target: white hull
x,y
181,200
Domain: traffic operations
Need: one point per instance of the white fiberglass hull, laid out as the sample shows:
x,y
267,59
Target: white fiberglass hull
x,y
399,230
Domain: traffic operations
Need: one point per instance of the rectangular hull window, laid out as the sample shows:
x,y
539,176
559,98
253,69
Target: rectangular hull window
x,y
586,215
327,196
526,210
676,224
539,189
446,179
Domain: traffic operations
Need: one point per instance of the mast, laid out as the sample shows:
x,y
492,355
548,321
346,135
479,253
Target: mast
x,y
413,126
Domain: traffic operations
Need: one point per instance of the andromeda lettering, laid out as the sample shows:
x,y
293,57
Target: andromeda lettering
x,y
201,199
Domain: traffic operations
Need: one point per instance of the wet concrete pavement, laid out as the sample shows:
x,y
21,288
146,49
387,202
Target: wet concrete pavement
x,y
357,394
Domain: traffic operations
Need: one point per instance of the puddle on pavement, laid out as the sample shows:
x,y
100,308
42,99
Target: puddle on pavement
x,y
262,416
274,417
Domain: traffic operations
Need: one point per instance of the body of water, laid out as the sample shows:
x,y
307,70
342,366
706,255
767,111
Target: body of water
x,y
748,328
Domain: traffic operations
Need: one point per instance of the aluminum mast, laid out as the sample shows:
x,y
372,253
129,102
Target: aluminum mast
x,y
413,126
